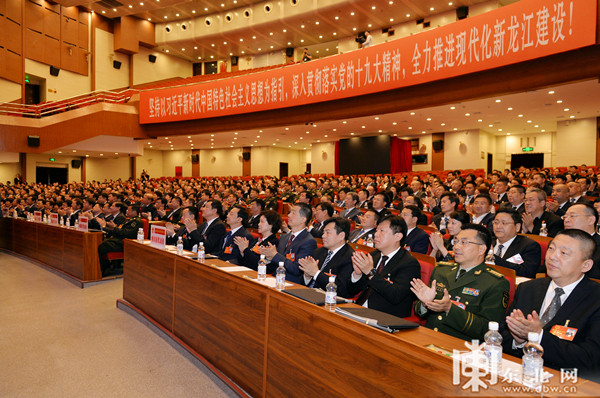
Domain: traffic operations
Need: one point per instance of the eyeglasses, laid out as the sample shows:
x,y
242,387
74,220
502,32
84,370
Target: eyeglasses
x,y
567,216
465,241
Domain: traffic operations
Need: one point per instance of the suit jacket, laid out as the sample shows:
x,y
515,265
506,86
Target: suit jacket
x,y
251,255
189,239
581,309
487,222
317,230
253,222
150,209
554,224
74,216
417,241
93,223
173,216
503,199
562,210
213,236
482,294
390,289
119,219
352,214
530,252
339,265
384,213
302,246
594,272
230,252
360,234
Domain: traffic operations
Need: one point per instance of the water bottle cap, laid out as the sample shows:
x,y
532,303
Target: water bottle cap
x,y
281,263
262,256
332,278
533,337
141,230
493,325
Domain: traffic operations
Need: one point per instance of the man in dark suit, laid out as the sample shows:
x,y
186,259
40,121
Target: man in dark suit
x,y
540,179
417,240
449,201
585,217
189,233
482,211
212,230
575,193
351,212
174,215
323,211
536,214
517,252
383,277
368,223
256,207
148,209
560,194
296,244
334,258
127,230
363,196
464,296
564,308
380,203
236,218
76,206
499,195
108,224
516,199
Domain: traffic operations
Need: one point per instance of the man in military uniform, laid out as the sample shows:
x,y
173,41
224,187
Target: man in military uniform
x,y
127,230
463,296
270,199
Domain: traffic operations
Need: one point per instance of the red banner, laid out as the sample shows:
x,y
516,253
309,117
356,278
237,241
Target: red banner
x,y
522,31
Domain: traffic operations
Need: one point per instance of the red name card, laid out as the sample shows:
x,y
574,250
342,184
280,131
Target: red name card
x,y
53,218
83,224
37,216
158,237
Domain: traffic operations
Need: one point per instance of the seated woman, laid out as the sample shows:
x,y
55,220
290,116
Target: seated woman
x,y
441,247
268,226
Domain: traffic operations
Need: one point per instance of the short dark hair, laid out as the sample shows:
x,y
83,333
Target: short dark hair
x,y
273,219
462,216
305,212
397,225
516,217
587,242
376,213
385,197
193,210
217,205
414,211
483,234
122,206
242,213
452,197
259,202
354,196
135,208
484,196
340,224
327,207
519,188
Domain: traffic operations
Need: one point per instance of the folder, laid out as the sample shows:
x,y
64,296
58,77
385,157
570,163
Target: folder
x,y
377,319
315,296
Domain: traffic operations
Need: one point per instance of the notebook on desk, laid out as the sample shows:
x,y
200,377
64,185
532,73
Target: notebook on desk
x,y
378,319
315,296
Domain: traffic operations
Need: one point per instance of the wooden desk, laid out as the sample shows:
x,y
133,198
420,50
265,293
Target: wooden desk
x,y
273,344
71,252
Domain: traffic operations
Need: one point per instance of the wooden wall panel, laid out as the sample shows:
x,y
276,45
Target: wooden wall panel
x,y
51,23
82,61
14,67
68,57
2,7
34,16
146,33
13,10
126,38
12,30
70,12
34,45
83,36
69,30
52,51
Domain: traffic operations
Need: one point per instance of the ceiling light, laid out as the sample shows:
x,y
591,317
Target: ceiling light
x,y
407,15
176,15
519,115
166,51
320,36
490,125
455,129
410,128
354,29
271,46
412,113
259,49
428,119
351,133
243,52
499,129
130,6
165,15
289,43
149,19
325,136
352,13
114,9
285,30
536,126
183,49
566,109
551,92
193,11
301,40
571,117
225,43
443,124
467,114
480,120
195,47
316,22
271,34
559,102
302,26
104,12
452,107
509,108
336,17
498,100
431,8
344,122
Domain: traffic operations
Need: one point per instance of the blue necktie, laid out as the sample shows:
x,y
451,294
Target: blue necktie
x,y
226,239
327,259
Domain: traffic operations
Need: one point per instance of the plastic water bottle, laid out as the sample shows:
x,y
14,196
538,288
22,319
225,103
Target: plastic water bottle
x,y
369,241
543,229
331,294
493,348
489,259
61,222
280,277
443,224
262,268
140,235
201,253
179,246
533,364
195,249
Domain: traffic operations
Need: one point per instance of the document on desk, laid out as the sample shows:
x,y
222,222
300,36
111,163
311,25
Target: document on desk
x,y
235,268
270,281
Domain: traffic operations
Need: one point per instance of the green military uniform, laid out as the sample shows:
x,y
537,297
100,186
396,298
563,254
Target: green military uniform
x,y
288,196
479,296
271,203
127,230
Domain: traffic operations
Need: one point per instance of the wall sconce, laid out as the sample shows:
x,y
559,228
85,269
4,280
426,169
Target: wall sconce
x,y
324,155
213,159
462,147
70,50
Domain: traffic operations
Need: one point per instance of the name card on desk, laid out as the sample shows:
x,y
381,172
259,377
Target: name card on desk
x,y
53,218
83,224
158,237
37,216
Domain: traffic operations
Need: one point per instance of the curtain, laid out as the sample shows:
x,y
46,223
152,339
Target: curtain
x,y
400,156
337,158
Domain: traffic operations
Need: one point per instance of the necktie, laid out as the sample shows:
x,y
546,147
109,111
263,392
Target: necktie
x,y
361,300
499,251
327,259
572,200
461,272
287,246
204,229
226,239
515,207
553,307
357,238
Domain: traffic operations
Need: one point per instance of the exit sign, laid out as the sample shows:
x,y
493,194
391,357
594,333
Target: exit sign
x,y
528,149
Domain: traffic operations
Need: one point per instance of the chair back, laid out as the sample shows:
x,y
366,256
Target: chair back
x,y
511,276
543,241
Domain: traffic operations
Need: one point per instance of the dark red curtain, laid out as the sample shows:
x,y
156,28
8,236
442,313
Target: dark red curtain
x,y
400,156
337,158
